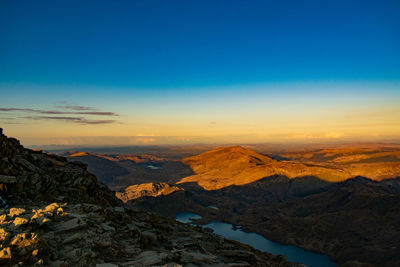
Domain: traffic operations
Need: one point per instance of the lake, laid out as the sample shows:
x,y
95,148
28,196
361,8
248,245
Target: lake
x,y
153,167
293,253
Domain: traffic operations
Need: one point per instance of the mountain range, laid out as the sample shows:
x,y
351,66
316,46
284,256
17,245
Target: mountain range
x,y
343,202
54,212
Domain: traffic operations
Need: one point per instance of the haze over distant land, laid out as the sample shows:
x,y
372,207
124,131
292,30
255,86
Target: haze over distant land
x,y
207,72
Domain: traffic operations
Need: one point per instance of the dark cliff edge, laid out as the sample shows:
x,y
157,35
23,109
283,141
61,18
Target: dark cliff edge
x,y
54,212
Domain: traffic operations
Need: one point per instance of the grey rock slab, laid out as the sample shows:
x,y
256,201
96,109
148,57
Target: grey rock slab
x,y
74,238
106,264
73,224
7,179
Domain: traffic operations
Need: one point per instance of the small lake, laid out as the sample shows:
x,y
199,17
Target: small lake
x,y
293,253
153,167
186,217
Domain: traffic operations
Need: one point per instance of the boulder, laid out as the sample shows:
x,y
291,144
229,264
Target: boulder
x,y
15,212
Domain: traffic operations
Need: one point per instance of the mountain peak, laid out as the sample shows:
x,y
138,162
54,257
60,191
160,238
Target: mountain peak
x,y
234,148
229,154
226,166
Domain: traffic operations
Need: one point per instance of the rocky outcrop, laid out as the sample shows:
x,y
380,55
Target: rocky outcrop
x,y
32,175
61,215
61,234
149,189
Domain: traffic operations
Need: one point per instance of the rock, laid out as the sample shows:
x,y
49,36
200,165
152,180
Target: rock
x,y
107,228
42,220
3,218
149,258
20,221
15,212
188,257
147,238
73,238
5,255
3,235
148,189
73,224
52,207
23,240
57,263
39,262
72,255
106,265
119,209
6,179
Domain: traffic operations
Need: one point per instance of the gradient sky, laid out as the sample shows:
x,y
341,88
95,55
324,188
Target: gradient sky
x,y
182,72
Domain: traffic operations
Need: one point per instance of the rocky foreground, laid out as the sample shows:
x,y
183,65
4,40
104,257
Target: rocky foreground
x,y
59,215
91,235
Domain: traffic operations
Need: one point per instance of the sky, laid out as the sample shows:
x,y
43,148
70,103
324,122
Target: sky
x,y
187,72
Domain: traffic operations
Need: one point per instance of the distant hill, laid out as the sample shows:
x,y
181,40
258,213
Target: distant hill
x,y
121,171
236,165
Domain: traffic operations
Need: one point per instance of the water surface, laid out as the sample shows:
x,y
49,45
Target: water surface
x,y
186,217
153,167
293,253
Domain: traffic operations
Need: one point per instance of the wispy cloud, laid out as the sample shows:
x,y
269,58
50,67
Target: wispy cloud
x,y
72,107
57,112
79,120
34,114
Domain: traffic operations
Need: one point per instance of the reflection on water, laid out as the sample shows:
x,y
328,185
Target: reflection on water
x,y
293,253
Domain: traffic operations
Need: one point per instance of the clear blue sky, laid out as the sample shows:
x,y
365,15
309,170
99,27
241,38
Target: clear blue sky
x,y
118,55
159,44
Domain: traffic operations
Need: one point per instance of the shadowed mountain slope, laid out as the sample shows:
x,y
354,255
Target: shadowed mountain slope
x,y
121,171
354,220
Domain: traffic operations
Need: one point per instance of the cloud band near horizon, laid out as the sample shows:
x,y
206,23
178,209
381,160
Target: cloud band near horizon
x,y
80,120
